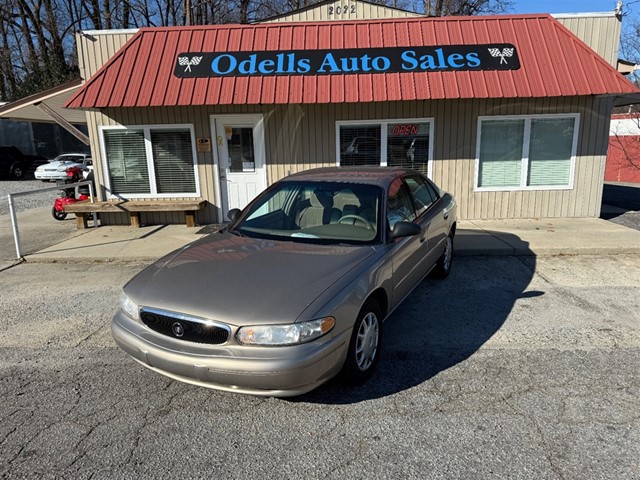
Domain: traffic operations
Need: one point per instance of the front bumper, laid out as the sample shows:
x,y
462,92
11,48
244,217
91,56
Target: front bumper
x,y
50,175
266,371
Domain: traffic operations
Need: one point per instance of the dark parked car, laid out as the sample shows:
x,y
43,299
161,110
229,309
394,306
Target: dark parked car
x,y
15,164
295,290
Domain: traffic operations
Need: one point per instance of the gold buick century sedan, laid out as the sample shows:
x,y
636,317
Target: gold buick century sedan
x,y
295,290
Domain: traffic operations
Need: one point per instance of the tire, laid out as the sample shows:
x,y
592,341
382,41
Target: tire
x,y
364,347
17,172
443,265
57,214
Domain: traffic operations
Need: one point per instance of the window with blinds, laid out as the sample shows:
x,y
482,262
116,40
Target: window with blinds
x,y
173,161
393,143
360,145
550,151
127,161
133,153
501,153
526,152
408,146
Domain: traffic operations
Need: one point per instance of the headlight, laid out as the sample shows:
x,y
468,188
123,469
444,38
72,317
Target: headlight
x,y
291,334
131,309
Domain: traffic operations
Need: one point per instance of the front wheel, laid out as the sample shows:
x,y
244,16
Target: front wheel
x,y
364,347
58,214
17,173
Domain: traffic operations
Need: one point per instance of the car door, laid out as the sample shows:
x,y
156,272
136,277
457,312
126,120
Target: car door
x,y
428,206
406,253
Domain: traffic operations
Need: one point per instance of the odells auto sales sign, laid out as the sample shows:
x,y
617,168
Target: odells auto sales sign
x,y
499,56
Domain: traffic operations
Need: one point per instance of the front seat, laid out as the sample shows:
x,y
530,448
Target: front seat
x,y
320,212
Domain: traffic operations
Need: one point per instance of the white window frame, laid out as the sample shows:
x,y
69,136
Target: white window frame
x,y
150,165
383,136
525,152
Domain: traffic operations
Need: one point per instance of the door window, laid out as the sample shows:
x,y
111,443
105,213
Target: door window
x,y
399,204
241,149
423,196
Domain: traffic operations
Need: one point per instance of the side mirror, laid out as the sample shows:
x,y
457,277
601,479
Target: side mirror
x,y
233,214
405,229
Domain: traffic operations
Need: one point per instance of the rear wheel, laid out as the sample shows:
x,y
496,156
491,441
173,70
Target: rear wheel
x,y
58,214
443,266
364,347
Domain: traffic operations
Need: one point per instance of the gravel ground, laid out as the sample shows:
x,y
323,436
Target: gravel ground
x,y
28,202
628,219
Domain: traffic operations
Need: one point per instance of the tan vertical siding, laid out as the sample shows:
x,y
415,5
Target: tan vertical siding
x,y
600,32
96,48
299,137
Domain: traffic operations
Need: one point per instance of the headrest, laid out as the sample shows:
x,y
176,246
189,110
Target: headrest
x,y
321,198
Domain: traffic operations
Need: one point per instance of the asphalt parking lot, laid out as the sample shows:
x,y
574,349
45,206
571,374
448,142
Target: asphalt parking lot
x,y
511,368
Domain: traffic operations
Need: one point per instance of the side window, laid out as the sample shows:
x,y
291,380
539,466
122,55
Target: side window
x,y
435,192
399,204
421,192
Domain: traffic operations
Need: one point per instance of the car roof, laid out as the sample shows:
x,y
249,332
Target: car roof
x,y
380,176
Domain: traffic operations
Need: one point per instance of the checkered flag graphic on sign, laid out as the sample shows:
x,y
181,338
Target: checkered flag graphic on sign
x,y
187,63
505,52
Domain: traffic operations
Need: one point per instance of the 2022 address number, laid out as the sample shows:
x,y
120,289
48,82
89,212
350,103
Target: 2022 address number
x,y
341,9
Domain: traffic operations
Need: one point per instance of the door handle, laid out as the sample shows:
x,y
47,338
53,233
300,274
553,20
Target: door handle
x,y
446,215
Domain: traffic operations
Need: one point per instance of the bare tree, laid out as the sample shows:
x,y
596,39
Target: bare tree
x,y
37,37
441,8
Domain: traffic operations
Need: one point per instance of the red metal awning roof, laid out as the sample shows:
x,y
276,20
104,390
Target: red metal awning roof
x,y
553,63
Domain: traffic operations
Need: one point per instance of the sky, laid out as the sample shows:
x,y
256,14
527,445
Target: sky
x,y
568,6
630,8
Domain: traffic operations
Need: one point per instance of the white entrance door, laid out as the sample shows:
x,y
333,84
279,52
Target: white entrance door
x,y
241,157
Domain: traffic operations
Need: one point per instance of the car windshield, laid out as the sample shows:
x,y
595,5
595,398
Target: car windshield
x,y
316,212
67,158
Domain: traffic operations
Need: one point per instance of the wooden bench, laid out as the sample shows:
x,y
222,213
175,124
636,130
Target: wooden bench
x,y
133,208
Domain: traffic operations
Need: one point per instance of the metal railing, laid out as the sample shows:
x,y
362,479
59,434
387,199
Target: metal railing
x,y
12,212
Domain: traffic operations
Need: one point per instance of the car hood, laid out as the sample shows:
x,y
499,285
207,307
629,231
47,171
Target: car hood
x,y
244,281
59,164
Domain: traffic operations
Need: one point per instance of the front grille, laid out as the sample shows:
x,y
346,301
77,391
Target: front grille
x,y
184,328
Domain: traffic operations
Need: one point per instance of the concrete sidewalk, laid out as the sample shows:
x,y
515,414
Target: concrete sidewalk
x,y
545,236
568,236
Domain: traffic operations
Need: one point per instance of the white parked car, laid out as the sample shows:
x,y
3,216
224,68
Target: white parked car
x,y
57,168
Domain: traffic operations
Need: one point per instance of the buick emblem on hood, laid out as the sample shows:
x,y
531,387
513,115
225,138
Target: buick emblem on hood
x,y
178,329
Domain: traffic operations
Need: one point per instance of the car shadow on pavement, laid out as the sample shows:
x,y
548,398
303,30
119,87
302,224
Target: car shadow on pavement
x,y
441,324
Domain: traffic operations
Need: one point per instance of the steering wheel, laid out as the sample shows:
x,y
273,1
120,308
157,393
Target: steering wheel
x,y
368,224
